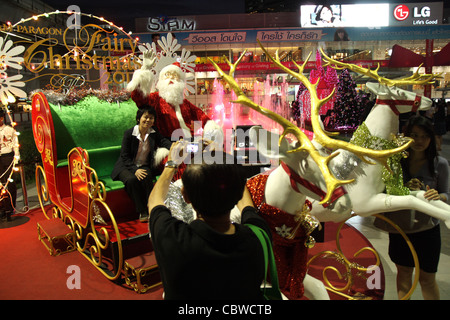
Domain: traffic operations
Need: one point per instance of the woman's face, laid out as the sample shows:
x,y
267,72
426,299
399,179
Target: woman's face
x,y
146,121
326,14
421,139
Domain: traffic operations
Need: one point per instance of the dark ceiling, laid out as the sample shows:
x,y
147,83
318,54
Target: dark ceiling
x,y
124,12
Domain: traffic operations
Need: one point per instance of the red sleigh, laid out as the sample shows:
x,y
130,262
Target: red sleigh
x,y
74,184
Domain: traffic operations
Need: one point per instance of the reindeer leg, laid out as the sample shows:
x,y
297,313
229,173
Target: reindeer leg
x,y
325,214
435,203
388,203
315,289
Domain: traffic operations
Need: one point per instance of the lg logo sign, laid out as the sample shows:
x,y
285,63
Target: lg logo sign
x,y
401,12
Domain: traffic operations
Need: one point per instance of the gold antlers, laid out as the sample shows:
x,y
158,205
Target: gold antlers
x,y
416,78
304,143
319,134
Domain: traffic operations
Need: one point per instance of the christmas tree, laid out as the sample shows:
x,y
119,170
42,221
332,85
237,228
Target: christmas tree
x,y
349,105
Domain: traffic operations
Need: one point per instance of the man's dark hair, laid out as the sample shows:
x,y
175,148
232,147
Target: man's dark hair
x,y
214,189
143,109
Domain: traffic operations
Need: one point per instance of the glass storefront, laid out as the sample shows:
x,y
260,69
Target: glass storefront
x,y
365,53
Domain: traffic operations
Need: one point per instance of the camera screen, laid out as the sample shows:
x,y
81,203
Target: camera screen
x,y
192,147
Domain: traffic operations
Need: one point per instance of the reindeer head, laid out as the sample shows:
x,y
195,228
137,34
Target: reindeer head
x,y
303,172
272,146
404,100
304,145
387,89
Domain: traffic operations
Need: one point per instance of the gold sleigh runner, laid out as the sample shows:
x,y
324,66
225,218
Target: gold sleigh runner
x,y
91,240
70,189
354,266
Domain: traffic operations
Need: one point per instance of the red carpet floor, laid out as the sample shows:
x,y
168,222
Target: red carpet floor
x,y
28,272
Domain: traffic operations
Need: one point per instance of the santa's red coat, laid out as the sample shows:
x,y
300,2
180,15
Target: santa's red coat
x,y
166,119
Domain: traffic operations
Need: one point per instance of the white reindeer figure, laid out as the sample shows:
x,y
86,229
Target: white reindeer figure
x,y
302,170
367,193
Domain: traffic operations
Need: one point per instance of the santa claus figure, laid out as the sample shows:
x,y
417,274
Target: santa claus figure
x,y
174,112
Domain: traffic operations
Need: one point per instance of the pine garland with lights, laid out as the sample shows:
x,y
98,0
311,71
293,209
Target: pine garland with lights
x,y
75,95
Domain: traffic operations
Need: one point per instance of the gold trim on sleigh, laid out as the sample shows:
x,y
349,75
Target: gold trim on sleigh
x,y
90,242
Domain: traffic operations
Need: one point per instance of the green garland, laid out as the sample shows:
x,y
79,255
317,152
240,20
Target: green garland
x,y
75,95
393,180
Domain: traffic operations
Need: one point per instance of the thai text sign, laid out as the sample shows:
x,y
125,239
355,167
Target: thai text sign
x,y
216,37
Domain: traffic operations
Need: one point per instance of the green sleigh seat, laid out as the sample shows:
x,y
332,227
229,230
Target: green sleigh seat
x,y
79,145
103,160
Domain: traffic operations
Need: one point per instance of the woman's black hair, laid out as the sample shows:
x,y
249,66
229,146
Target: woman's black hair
x,y
431,152
336,36
319,12
143,109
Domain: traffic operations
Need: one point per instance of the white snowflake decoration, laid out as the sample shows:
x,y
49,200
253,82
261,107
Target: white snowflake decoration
x,y
377,143
168,55
284,231
9,86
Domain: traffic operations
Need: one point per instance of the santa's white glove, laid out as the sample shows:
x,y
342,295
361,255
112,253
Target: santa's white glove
x,y
149,59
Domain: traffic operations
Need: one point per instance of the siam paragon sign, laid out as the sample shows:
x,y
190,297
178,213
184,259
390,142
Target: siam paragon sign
x,y
100,53
96,52
166,24
83,54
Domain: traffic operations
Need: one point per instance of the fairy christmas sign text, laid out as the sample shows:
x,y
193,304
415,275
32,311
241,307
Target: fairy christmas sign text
x,y
100,52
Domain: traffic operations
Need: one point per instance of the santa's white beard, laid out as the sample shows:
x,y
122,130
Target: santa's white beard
x,y
172,93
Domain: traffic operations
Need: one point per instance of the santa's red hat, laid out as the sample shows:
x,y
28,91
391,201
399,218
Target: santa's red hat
x,y
174,67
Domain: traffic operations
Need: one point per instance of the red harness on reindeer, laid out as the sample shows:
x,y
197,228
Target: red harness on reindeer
x,y
295,178
394,103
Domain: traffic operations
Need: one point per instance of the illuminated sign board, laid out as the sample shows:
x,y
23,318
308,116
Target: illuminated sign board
x,y
66,55
345,15
159,24
371,15
416,14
